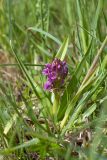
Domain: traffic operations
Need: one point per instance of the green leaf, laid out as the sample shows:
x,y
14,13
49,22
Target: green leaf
x,y
73,83
10,123
81,65
63,49
89,111
81,104
29,143
24,70
46,34
66,96
97,14
82,24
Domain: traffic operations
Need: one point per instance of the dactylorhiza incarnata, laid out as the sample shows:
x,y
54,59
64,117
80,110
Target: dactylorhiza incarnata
x,y
56,73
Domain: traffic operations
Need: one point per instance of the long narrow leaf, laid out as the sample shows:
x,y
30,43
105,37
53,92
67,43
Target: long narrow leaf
x,y
63,49
45,33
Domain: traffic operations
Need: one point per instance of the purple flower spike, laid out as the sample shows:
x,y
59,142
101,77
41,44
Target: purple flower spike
x,y
56,72
48,85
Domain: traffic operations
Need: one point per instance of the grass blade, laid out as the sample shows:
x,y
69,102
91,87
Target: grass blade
x,y
62,50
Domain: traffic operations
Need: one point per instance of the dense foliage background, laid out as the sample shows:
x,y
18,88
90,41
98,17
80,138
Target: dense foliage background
x,y
33,33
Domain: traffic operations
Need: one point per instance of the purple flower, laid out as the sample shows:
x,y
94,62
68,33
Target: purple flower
x,y
48,85
56,72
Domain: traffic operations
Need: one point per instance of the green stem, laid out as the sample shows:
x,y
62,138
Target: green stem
x,y
55,105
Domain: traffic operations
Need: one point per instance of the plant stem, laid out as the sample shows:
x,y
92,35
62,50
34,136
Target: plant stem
x,y
55,105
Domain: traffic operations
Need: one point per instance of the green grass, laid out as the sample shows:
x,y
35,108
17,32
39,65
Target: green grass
x,y
34,121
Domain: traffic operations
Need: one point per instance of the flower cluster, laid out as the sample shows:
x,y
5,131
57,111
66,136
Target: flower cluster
x,y
56,72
